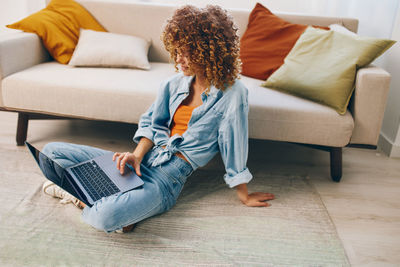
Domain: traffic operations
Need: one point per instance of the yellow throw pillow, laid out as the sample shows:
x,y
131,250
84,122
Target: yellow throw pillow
x,y
58,26
322,66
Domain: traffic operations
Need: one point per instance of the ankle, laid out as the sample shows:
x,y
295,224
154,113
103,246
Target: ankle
x,y
81,205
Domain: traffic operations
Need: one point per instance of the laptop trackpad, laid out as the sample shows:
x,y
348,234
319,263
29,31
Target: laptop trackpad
x,y
126,182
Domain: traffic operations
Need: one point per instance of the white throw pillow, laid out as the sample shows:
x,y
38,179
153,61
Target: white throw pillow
x,y
105,49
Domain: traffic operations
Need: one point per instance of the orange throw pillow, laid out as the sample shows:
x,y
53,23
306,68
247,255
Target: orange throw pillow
x,y
58,26
266,42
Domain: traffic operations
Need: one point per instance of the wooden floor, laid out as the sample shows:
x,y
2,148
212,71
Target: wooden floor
x,y
364,206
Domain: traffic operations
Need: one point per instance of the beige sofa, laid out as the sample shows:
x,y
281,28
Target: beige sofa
x,y
37,87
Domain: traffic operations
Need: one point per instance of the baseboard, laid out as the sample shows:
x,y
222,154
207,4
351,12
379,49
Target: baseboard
x,y
388,147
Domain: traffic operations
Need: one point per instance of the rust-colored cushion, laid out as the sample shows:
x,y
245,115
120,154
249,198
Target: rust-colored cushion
x,y
266,42
58,26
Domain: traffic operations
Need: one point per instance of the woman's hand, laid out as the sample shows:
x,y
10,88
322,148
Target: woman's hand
x,y
130,158
135,158
256,199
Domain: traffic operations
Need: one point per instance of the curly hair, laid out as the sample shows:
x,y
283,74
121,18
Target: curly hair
x,y
209,37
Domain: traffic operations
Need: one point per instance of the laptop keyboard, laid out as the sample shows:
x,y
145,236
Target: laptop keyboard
x,y
99,184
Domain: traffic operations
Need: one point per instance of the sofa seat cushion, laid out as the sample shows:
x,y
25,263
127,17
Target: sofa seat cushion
x,y
278,116
124,94
112,94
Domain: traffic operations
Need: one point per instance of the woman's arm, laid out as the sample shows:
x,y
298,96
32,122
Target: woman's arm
x,y
233,146
143,147
255,199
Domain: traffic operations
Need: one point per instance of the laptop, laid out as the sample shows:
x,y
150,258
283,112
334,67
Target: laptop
x,y
90,180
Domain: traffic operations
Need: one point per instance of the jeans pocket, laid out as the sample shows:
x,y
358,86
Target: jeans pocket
x,y
172,180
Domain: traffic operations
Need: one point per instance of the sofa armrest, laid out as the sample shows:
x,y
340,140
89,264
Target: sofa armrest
x,y
19,51
368,104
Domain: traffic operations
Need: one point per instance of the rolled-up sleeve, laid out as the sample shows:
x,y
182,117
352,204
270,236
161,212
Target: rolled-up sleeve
x,y
153,123
233,146
144,126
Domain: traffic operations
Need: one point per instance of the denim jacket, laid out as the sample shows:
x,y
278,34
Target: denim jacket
x,y
219,124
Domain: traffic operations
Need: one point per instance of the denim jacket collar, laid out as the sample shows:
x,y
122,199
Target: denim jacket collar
x,y
213,91
185,88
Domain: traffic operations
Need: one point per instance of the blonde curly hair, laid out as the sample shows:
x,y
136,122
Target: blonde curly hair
x,y
209,37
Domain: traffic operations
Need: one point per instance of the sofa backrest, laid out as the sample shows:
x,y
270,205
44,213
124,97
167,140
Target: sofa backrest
x,y
147,20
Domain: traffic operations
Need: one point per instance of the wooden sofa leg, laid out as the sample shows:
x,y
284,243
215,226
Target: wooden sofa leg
x,y
336,163
22,128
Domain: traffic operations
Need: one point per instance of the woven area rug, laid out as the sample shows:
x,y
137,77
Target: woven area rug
x,y
208,226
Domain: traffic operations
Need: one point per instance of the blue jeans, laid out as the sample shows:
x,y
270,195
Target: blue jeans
x,y
162,186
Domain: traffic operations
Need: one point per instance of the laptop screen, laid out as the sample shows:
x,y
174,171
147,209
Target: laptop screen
x,y
52,170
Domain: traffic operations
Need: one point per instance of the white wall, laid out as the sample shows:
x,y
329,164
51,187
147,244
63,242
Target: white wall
x,y
14,10
11,11
389,140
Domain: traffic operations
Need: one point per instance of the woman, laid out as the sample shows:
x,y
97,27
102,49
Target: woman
x,y
198,113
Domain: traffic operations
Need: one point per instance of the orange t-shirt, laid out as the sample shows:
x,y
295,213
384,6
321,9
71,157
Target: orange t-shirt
x,y
181,119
